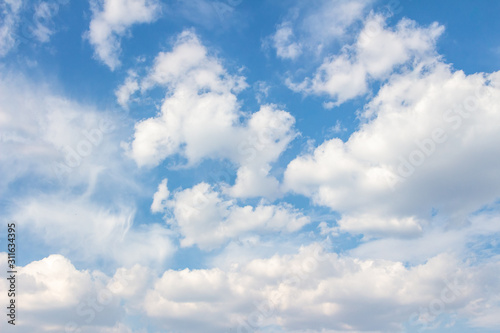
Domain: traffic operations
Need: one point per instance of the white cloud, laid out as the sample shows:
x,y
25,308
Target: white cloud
x,y
314,25
112,19
308,291
268,133
426,143
44,12
200,118
53,282
55,296
377,52
75,141
423,159
316,292
87,232
481,229
205,218
14,27
160,197
200,105
49,139
127,89
284,44
330,19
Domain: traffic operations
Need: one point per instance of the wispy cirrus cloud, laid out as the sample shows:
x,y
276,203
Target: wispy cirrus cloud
x,y
9,14
311,28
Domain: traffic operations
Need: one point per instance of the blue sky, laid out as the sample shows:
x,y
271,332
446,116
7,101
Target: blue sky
x,y
251,166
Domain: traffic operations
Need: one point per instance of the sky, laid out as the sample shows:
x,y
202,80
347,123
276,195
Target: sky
x,y
317,166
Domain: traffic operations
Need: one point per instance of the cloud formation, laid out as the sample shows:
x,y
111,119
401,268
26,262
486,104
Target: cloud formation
x,y
204,209
9,14
200,119
427,128
203,217
112,20
312,27
309,291
377,52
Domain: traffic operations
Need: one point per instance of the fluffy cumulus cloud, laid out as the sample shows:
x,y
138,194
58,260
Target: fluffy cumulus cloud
x,y
126,233
284,44
200,105
378,51
127,89
160,197
427,145
310,290
203,217
112,19
58,297
200,118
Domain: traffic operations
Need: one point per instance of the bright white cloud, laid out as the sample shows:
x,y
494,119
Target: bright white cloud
x,y
316,292
267,135
200,118
58,297
427,142
53,282
308,291
112,19
160,197
200,105
127,89
205,218
377,52
284,44
411,178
